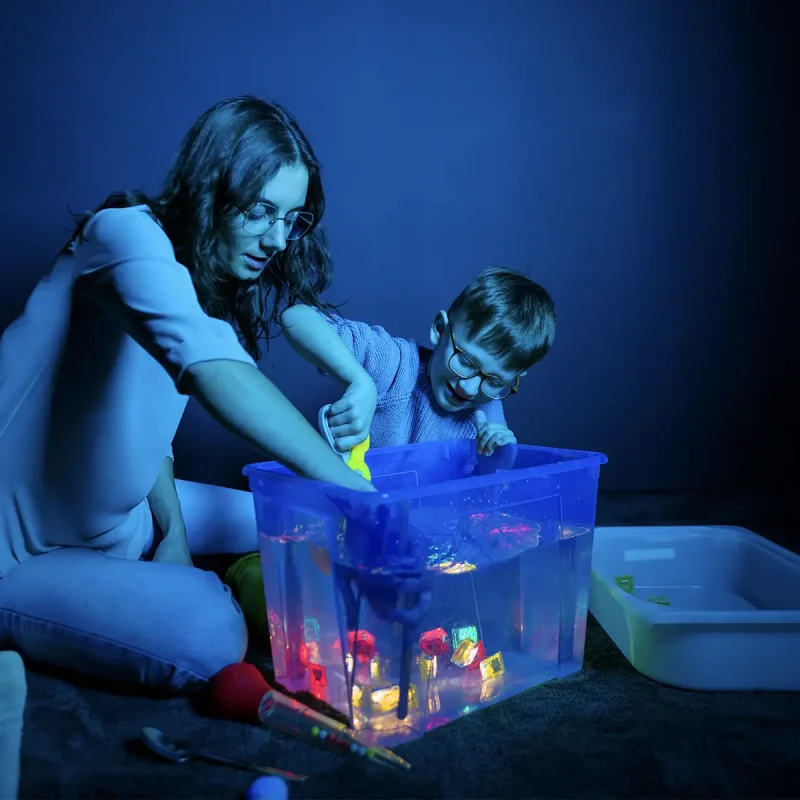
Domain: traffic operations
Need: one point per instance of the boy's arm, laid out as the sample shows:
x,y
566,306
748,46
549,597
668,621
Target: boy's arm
x,y
366,360
312,337
344,348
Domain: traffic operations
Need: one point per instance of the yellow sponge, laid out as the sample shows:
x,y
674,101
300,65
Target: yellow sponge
x,y
356,462
355,457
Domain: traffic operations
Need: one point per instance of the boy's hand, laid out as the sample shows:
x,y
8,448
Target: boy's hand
x,y
491,435
350,418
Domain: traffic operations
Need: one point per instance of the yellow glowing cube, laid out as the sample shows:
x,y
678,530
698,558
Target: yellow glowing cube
x,y
465,653
491,688
358,696
428,666
375,668
492,666
456,567
313,652
388,698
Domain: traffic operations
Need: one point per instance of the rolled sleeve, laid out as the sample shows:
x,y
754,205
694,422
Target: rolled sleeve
x,y
126,265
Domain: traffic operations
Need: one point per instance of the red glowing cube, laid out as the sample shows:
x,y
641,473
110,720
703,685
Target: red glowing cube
x,y
319,676
475,664
363,642
435,642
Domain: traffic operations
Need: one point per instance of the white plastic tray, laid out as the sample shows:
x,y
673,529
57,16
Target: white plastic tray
x,y
734,616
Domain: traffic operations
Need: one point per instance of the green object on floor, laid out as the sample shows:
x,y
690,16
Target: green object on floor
x,y
658,599
247,584
625,582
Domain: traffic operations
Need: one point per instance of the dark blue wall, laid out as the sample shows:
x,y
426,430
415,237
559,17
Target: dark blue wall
x,y
639,158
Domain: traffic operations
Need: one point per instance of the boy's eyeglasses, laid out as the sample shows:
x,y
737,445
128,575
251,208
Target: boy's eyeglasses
x,y
258,219
465,366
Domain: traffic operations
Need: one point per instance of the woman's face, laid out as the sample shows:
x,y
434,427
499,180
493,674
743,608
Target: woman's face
x,y
250,243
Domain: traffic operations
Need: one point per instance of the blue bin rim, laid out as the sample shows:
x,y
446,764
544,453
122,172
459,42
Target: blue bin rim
x,y
578,460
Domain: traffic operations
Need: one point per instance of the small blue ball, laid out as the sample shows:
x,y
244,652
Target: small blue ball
x,y
268,787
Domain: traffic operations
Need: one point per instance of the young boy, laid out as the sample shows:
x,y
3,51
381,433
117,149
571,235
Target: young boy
x,y
399,392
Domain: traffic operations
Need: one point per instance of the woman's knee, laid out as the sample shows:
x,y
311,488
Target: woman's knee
x,y
214,629
160,625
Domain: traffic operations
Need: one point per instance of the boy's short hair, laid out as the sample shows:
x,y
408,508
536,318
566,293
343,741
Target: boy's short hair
x,y
508,314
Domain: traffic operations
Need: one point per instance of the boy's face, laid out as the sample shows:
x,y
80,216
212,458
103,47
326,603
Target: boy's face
x,y
452,392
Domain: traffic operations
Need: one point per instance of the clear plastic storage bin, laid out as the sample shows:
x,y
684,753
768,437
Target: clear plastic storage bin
x,y
464,580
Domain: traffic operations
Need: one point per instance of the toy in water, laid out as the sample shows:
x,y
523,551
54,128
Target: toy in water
x,y
435,642
354,458
401,581
246,581
245,577
625,582
462,632
658,599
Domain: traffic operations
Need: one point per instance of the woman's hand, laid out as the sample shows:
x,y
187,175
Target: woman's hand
x,y
350,418
249,405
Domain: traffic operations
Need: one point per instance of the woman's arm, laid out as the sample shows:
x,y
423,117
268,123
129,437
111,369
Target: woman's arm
x,y
164,502
249,405
127,266
166,508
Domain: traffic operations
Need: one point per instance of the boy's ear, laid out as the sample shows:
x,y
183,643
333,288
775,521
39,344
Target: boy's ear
x,y
438,328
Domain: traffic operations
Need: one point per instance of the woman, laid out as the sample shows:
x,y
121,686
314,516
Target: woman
x,y
154,300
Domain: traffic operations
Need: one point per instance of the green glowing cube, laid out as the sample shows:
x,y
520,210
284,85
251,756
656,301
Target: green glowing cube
x,y
311,629
462,633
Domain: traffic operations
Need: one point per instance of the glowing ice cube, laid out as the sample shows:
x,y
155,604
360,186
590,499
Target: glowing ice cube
x,y
465,653
428,667
311,629
319,676
375,668
388,698
491,688
463,632
492,667
358,696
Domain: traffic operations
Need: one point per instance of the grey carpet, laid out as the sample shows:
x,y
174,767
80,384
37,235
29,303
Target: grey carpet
x,y
606,732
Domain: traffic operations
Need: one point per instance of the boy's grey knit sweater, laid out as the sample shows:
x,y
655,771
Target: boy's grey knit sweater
x,y
406,411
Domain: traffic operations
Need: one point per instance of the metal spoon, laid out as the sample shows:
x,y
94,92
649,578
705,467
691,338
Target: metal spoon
x,y
171,750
